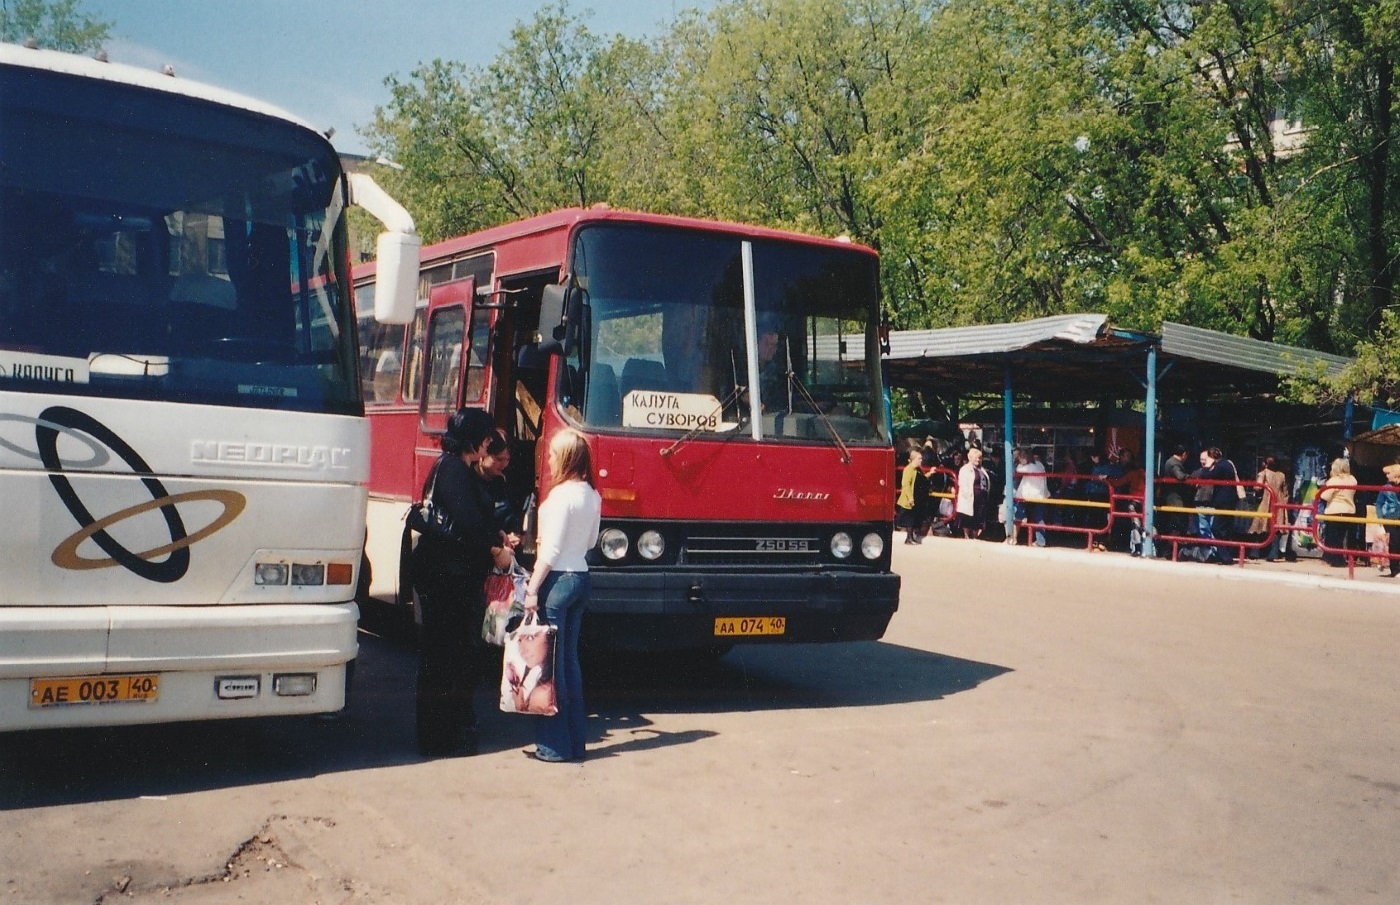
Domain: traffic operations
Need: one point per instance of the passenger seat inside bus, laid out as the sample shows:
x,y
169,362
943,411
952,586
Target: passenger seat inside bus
x,y
643,374
604,403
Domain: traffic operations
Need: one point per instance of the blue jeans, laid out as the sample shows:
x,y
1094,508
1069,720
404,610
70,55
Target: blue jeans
x,y
1213,527
564,597
1033,513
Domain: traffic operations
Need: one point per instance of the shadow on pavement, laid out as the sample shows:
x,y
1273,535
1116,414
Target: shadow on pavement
x,y
377,727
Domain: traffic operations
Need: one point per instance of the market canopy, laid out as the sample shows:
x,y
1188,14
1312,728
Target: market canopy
x,y
1080,357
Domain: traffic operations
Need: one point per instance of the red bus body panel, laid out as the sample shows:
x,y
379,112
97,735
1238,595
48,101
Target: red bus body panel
x,y
738,481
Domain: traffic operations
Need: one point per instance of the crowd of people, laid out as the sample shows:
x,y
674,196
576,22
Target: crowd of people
x,y
1208,509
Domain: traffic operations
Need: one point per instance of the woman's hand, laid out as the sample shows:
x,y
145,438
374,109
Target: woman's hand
x,y
532,601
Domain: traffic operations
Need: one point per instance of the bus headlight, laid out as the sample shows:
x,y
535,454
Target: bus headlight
x,y
308,574
612,543
872,545
841,545
270,573
651,545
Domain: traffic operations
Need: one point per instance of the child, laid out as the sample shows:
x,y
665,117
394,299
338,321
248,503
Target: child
x,y
1388,508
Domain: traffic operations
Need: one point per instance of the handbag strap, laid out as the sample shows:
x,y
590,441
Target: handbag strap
x,y
432,480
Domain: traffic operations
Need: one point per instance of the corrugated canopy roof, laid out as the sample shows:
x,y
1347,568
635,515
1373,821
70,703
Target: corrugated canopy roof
x,y
1076,357
1241,352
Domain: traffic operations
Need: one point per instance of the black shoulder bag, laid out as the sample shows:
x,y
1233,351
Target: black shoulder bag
x,y
429,519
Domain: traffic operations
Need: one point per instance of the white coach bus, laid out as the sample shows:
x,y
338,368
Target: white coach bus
x,y
183,452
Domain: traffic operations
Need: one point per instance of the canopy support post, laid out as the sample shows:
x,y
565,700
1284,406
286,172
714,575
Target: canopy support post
x,y
1008,462
1149,458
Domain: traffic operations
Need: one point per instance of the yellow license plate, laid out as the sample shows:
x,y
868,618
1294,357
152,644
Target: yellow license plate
x,y
750,625
64,690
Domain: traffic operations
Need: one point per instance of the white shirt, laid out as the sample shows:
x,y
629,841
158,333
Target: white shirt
x,y
568,526
1033,485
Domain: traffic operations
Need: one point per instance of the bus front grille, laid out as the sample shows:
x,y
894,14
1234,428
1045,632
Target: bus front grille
x,y
777,549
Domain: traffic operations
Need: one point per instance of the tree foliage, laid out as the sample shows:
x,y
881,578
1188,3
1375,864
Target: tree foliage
x,y
1223,163
55,24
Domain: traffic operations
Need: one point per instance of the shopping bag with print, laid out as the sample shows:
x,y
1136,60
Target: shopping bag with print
x,y
505,600
527,669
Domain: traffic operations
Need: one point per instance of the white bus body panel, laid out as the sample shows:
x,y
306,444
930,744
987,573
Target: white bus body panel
x,y
73,64
243,486
189,648
385,521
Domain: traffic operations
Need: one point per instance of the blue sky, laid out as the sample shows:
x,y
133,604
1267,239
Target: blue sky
x,y
326,61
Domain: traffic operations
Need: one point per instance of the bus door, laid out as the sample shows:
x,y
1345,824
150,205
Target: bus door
x,y
456,345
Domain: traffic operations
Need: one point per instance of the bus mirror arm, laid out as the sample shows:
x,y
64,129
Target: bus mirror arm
x,y
396,251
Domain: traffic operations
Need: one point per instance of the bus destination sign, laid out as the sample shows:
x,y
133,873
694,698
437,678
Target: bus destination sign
x,y
673,411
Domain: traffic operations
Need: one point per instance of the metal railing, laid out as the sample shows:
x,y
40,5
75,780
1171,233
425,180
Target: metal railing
x,y
1280,515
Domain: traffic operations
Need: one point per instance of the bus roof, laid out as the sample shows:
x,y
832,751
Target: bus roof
x,y
567,218
120,73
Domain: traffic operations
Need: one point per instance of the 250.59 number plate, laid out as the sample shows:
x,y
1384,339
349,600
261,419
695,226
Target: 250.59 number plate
x,y
64,690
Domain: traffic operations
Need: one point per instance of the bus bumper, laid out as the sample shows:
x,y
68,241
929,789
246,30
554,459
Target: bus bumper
x,y
208,662
682,610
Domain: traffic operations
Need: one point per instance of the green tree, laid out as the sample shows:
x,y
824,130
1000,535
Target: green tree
x,y
547,124
55,24
1225,163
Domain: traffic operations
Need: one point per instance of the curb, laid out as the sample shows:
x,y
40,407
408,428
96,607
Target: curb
x,y
1264,573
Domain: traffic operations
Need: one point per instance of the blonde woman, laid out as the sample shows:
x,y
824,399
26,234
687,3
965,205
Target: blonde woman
x,y
568,529
974,495
1338,495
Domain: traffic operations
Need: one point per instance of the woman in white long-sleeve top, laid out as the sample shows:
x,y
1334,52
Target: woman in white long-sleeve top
x,y
568,529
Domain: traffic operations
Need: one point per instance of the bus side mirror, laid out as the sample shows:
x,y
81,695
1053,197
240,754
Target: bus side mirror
x,y
396,277
561,310
396,252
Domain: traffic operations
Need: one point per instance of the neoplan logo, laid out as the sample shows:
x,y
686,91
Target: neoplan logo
x,y
91,432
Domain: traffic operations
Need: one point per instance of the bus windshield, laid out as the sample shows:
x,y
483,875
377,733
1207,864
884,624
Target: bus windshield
x,y
168,248
666,345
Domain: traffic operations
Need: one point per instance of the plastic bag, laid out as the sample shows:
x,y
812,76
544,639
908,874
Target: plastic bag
x,y
527,669
505,600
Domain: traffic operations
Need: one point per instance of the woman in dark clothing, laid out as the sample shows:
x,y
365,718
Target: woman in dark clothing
x,y
1218,496
449,574
491,468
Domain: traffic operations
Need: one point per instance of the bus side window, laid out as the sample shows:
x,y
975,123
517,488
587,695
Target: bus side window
x,y
413,368
479,352
445,335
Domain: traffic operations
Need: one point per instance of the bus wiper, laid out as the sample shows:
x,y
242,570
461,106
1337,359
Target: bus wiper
x,y
793,381
695,431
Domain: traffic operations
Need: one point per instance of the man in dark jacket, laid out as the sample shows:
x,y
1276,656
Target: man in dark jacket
x,y
1175,472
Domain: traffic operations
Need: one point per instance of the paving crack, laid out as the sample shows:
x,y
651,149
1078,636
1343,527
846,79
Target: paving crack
x,y
260,853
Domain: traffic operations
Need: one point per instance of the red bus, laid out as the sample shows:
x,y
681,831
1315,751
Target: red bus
x,y
736,508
